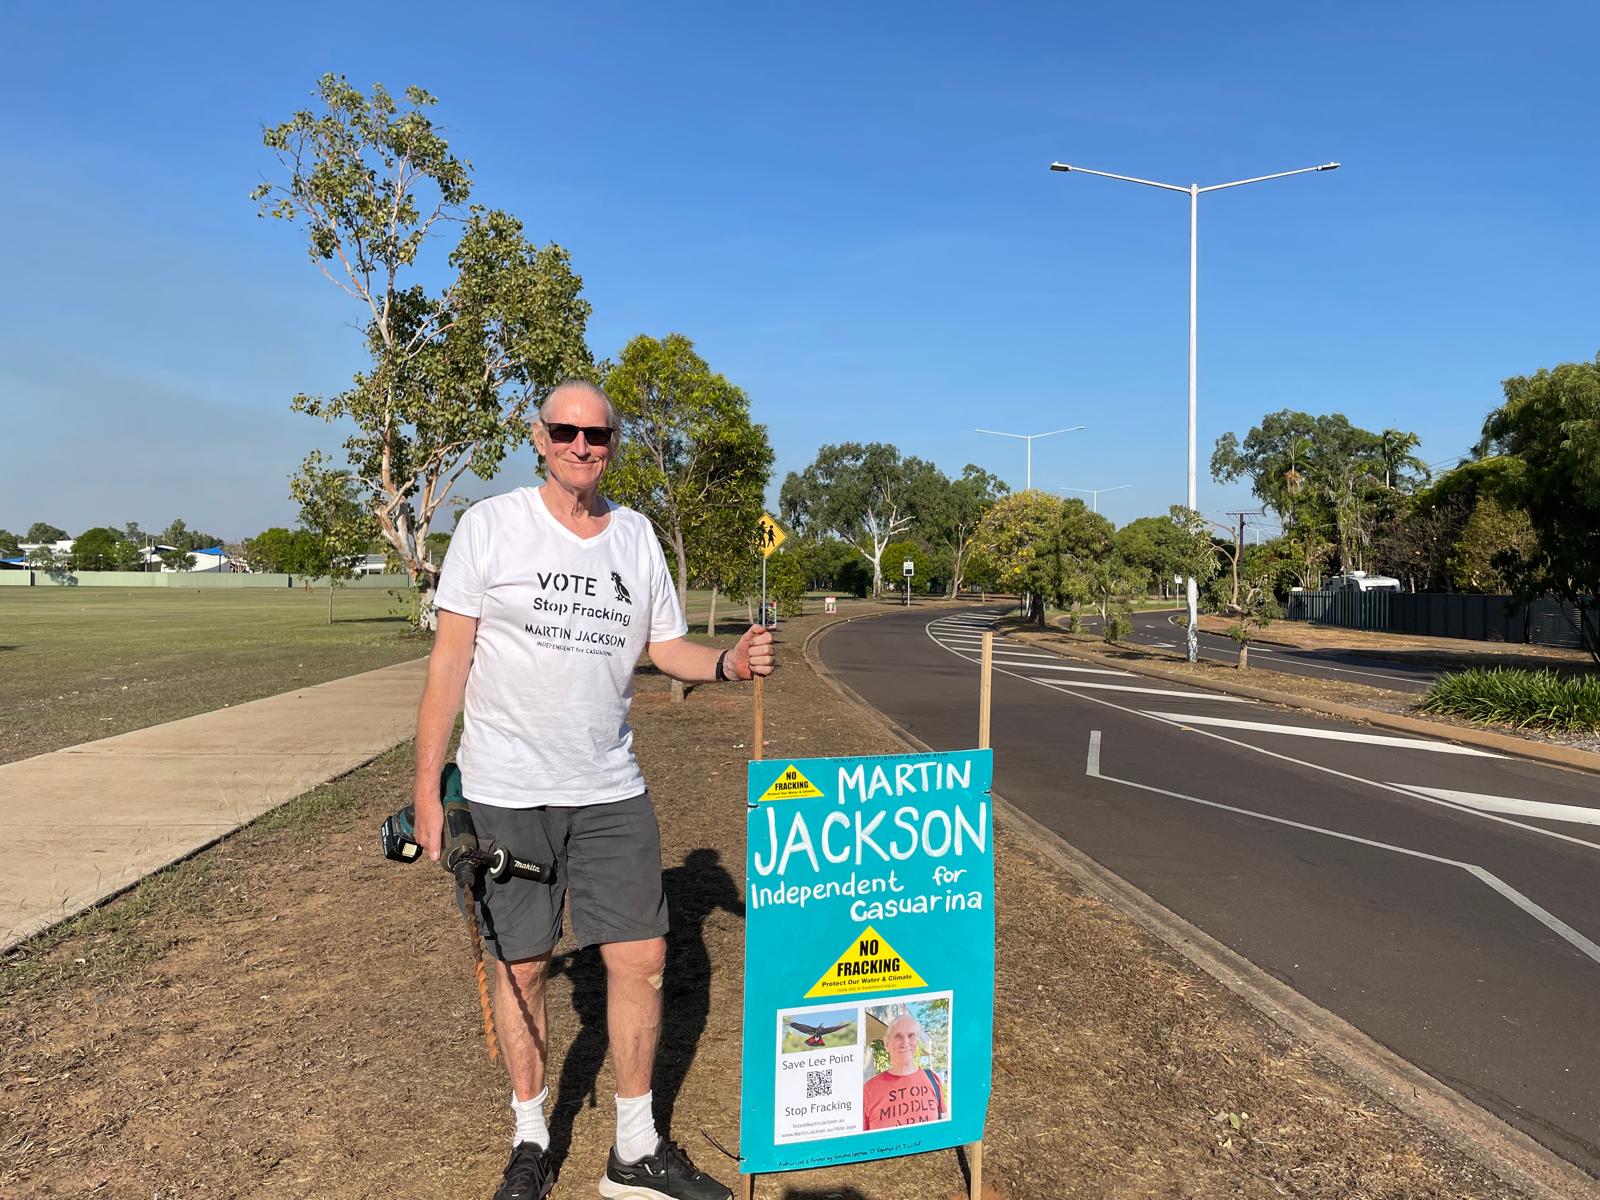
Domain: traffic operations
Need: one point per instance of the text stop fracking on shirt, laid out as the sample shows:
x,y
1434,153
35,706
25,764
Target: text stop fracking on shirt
x,y
869,957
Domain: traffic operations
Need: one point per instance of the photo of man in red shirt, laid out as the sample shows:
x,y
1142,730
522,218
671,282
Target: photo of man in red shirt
x,y
905,1093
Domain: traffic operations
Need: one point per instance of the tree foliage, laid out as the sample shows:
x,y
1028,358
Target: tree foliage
x,y
1324,474
41,531
95,550
279,551
863,494
1053,551
453,374
338,525
1550,423
179,536
691,460
951,514
10,543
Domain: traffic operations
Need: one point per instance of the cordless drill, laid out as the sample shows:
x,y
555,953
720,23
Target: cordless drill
x,y
462,857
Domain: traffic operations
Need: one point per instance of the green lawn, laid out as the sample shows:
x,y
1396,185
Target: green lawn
x,y
83,663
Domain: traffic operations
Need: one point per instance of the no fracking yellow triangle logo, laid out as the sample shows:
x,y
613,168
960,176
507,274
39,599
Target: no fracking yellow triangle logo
x,y
791,785
869,964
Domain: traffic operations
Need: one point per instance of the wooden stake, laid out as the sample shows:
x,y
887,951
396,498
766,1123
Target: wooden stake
x,y
758,755
985,696
985,689
749,1187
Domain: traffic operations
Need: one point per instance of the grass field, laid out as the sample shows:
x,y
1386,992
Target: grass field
x,y
83,663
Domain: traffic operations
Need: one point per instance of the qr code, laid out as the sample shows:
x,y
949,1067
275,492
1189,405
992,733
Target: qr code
x,y
819,1083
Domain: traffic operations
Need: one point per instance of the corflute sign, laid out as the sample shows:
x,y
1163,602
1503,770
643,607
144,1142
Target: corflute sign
x,y
869,958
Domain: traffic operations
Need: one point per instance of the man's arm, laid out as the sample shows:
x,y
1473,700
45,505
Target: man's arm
x,y
448,665
692,663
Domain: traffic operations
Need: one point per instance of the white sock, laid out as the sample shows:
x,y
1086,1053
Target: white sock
x,y
530,1119
636,1127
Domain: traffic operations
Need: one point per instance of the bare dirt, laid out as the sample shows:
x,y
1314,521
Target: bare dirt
x,y
289,1015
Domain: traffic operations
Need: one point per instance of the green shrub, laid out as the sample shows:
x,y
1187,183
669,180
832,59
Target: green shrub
x,y
1519,698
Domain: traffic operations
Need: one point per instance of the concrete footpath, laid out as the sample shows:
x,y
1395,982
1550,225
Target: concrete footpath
x,y
84,823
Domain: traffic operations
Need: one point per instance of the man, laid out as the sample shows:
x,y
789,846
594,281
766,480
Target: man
x,y
905,1094
547,599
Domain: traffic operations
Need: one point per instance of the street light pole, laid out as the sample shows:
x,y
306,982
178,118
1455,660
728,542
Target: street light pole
x,y
1194,190
1028,437
1095,492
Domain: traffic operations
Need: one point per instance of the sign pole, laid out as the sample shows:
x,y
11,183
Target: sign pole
x,y
985,698
758,713
985,689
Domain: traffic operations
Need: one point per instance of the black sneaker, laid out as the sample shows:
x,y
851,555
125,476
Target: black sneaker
x,y
666,1174
528,1175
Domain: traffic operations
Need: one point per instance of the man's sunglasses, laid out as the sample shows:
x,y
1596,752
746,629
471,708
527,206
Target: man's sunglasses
x,y
595,435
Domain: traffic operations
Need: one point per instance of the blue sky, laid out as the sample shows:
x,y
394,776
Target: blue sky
x,y
846,206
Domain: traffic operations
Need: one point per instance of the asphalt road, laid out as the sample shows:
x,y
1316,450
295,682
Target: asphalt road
x,y
1440,898
1159,629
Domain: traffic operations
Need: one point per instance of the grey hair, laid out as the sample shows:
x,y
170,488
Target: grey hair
x,y
613,417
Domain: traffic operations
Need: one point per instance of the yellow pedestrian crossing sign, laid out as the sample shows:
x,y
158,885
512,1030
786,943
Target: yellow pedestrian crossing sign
x,y
772,535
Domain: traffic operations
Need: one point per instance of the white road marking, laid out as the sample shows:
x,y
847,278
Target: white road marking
x,y
1546,918
1034,662
1055,686
1120,687
1509,804
1039,666
1332,735
1335,772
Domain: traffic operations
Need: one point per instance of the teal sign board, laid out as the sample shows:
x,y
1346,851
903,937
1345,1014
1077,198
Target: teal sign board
x,y
869,958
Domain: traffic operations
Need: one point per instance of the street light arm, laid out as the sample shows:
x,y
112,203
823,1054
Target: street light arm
x,y
1053,432
1217,187
997,433
1170,187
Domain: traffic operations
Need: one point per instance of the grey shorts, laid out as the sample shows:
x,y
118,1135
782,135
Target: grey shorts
x,y
608,869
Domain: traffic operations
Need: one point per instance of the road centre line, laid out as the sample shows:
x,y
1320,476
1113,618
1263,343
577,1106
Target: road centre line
x,y
1333,735
1546,918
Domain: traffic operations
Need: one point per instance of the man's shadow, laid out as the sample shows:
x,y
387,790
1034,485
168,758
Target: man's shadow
x,y
694,891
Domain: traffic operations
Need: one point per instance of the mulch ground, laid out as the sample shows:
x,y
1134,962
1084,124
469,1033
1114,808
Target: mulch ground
x,y
290,1015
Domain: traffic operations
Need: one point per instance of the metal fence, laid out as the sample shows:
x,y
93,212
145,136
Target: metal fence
x,y
1543,622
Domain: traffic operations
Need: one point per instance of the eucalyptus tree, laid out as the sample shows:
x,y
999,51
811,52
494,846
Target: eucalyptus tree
x,y
863,494
453,373
955,510
691,461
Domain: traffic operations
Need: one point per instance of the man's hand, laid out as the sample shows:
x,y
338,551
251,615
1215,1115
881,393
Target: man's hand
x,y
428,815
754,655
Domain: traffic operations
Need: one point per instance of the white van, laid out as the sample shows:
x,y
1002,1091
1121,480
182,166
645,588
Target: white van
x,y
1360,581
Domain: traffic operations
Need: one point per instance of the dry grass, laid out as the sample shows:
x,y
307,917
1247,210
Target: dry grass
x,y
84,663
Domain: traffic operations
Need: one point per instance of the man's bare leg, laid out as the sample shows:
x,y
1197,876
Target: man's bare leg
x,y
633,1009
520,1022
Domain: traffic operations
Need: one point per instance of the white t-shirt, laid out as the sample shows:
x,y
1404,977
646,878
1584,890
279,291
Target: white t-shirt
x,y
561,622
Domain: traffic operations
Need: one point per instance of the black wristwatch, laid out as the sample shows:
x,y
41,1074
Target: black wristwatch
x,y
722,675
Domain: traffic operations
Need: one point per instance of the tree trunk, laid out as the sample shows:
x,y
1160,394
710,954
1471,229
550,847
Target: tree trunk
x,y
678,691
749,610
711,621
1244,656
330,600
427,614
